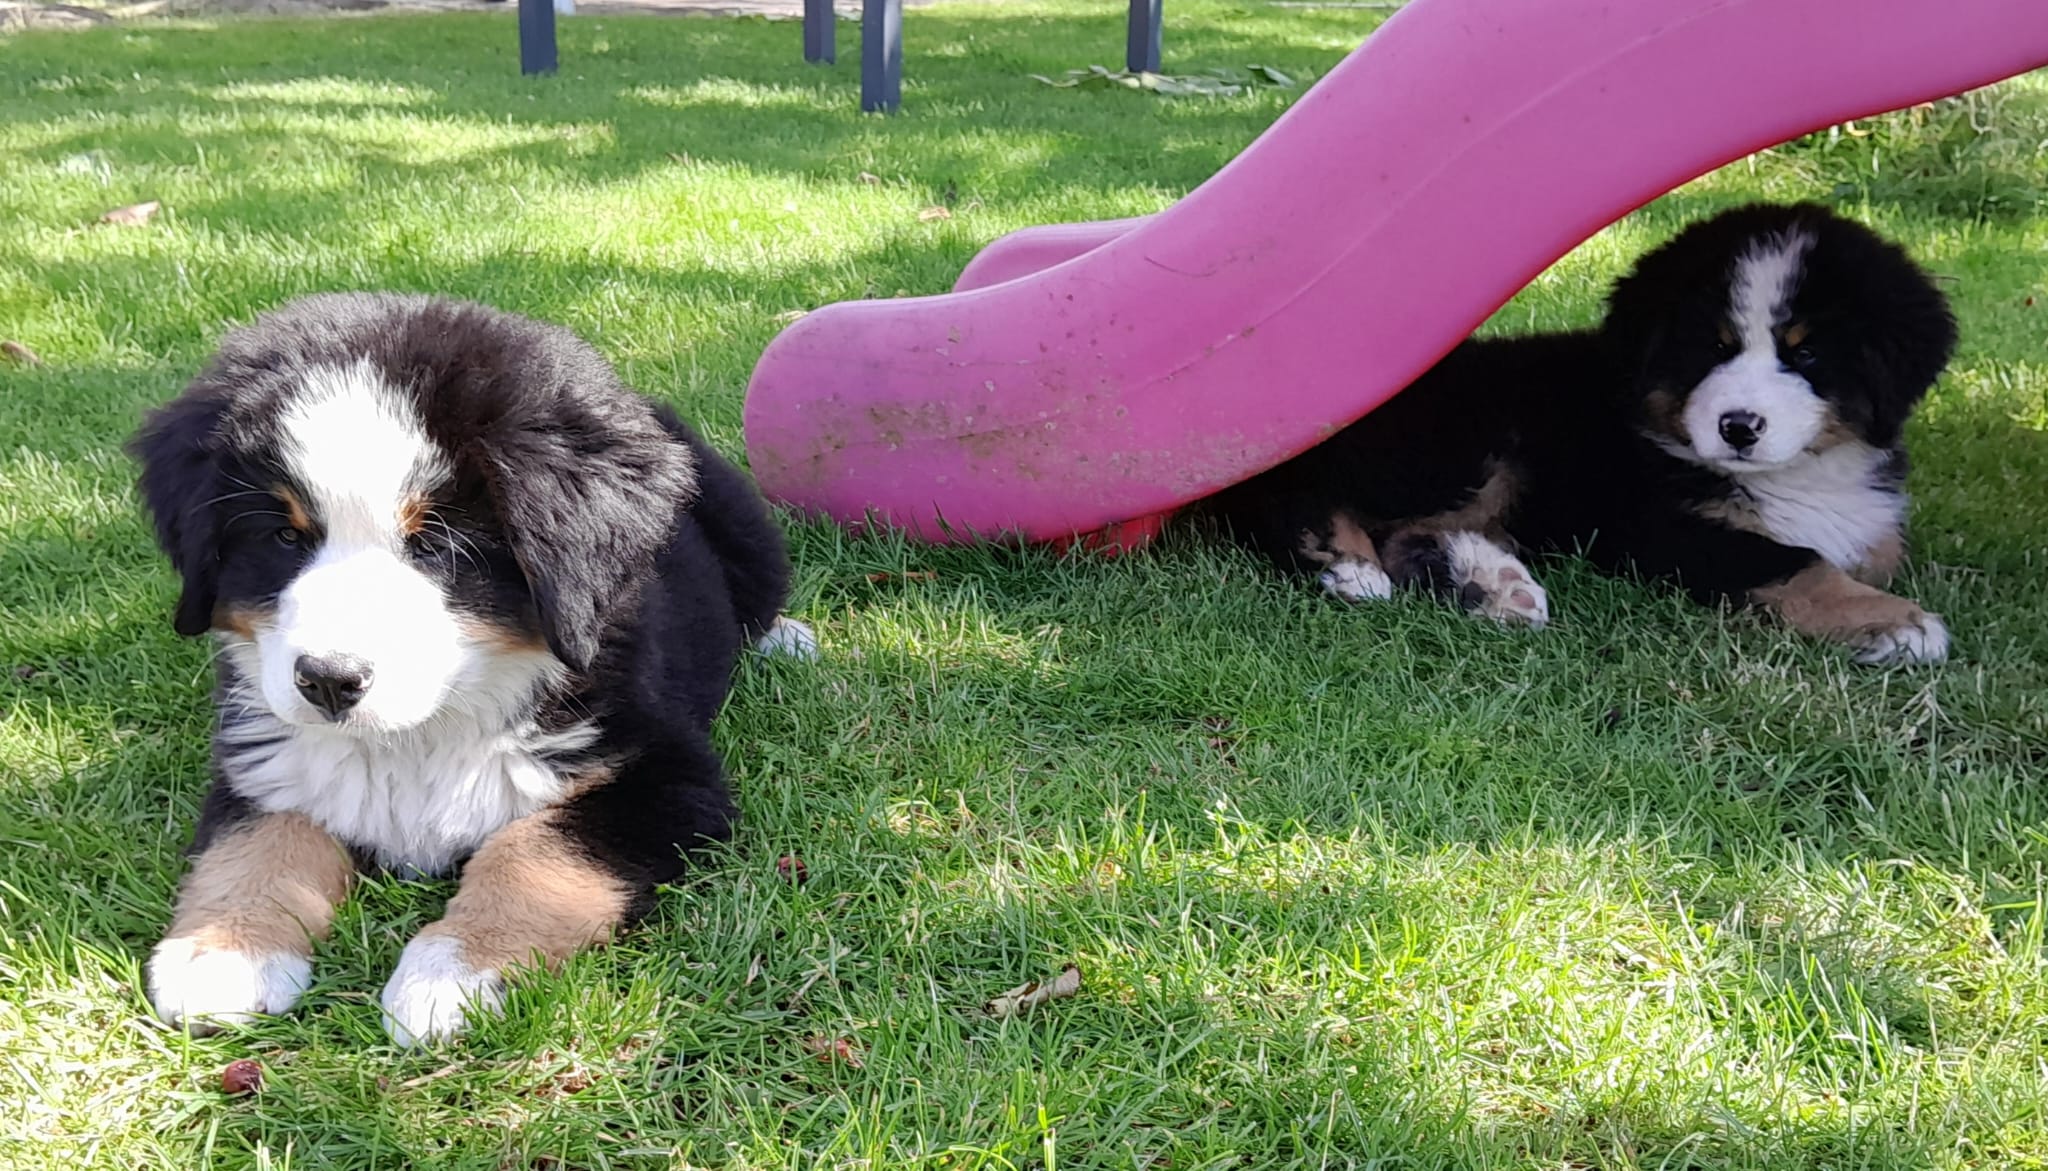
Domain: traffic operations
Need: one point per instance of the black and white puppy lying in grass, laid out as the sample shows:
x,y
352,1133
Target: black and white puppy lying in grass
x,y
1733,426
477,604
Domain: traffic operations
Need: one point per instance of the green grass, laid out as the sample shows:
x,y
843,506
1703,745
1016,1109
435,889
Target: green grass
x,y
1380,887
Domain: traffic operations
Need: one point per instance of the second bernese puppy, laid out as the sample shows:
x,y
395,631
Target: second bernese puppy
x,y
1735,426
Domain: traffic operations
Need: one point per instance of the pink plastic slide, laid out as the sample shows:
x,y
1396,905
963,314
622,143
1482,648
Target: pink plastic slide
x,y
1093,377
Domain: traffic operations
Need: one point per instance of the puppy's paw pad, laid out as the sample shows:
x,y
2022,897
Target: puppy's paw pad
x,y
204,989
1921,639
433,993
1514,600
1357,581
789,637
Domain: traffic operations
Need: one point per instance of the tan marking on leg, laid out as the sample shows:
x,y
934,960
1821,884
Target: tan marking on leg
x,y
268,885
1826,603
529,892
1882,562
1486,511
295,510
1348,540
1312,548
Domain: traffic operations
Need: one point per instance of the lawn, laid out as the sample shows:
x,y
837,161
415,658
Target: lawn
x,y
1652,888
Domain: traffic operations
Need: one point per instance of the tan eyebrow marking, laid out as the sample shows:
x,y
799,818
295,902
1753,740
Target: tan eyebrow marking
x,y
294,508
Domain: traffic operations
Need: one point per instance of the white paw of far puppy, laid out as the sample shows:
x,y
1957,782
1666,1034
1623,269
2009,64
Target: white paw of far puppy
x,y
1495,583
1357,581
789,637
433,992
204,989
1922,638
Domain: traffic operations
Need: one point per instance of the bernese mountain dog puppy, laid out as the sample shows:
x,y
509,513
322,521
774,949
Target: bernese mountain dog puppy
x,y
1733,426
476,604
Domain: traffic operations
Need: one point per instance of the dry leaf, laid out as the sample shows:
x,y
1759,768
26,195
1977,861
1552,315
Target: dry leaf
x,y
870,180
834,1051
934,213
16,352
132,215
911,575
791,869
242,1077
1025,997
678,157
437,1075
789,315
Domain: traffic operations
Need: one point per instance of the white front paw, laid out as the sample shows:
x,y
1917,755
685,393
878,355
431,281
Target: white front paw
x,y
1357,581
205,989
433,992
1921,639
788,637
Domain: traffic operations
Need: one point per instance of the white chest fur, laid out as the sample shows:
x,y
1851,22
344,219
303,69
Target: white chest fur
x,y
1835,503
419,801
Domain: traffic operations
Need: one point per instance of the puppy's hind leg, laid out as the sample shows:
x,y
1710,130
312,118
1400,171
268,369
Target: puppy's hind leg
x,y
1477,570
1351,565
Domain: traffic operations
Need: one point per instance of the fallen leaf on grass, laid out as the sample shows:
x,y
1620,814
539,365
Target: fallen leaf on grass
x,y
1216,83
437,1075
834,1051
133,215
789,315
870,179
1025,997
16,352
572,1077
242,1077
679,157
791,869
908,575
934,213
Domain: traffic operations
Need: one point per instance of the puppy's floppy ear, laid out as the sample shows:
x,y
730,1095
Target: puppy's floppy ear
x,y
588,496
180,481
1912,336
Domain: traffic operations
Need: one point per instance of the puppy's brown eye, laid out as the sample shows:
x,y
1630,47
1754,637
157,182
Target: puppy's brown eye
x,y
288,537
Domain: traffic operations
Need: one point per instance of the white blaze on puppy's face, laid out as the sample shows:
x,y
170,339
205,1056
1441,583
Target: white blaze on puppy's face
x,y
353,443
1751,413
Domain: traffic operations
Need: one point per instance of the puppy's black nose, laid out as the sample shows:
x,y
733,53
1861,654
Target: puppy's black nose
x,y
332,683
1741,429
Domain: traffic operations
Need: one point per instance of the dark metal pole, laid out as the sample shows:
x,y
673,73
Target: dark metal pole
x,y
1141,47
821,32
881,56
537,36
